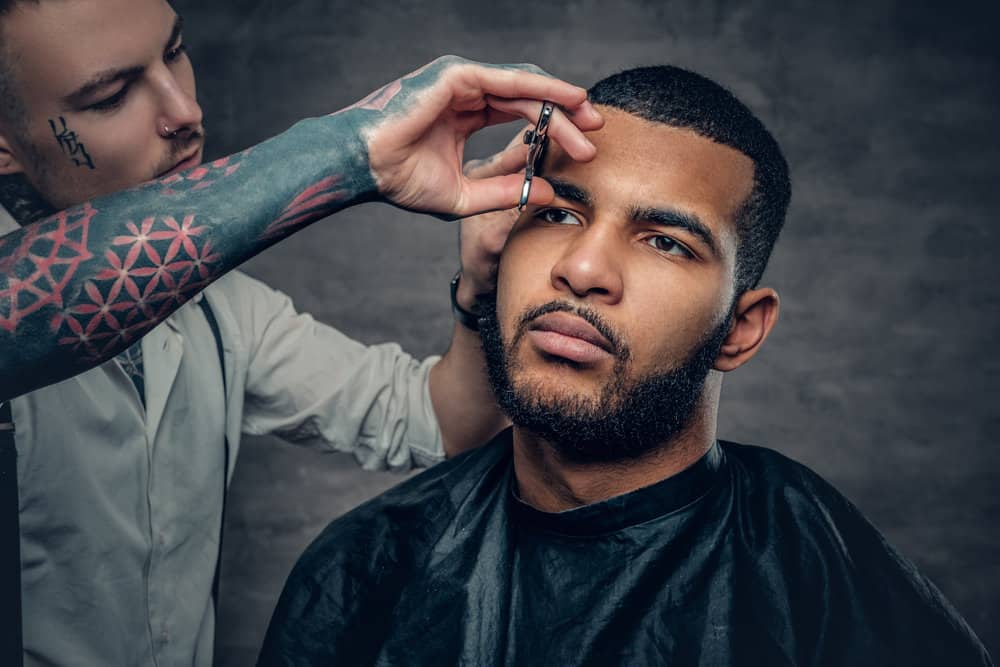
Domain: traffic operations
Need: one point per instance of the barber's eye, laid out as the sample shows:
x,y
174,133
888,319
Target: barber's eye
x,y
110,103
668,245
175,53
557,216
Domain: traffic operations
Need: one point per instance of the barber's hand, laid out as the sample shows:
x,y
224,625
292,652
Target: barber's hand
x,y
416,135
482,237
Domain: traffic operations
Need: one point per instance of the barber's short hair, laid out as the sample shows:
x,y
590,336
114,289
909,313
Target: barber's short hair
x,y
7,5
677,97
12,110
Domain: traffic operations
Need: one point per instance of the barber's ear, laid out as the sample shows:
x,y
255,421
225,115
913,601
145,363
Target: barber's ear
x,y
9,162
756,313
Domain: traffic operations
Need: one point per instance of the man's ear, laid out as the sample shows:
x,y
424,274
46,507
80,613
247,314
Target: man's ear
x,y
9,162
755,315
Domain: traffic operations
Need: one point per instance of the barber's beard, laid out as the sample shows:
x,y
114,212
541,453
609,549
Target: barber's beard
x,y
631,416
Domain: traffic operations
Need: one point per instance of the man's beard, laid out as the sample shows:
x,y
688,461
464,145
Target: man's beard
x,y
630,418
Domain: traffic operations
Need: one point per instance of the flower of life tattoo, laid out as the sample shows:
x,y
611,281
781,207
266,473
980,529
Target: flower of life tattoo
x,y
71,146
161,263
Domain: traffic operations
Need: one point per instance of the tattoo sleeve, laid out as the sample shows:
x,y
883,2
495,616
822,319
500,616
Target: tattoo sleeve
x,y
80,286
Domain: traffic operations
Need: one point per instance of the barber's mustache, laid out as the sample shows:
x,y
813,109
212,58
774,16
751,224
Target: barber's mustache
x,y
180,146
618,346
183,143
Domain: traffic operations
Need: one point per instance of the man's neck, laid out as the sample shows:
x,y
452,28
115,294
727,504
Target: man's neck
x,y
22,201
550,483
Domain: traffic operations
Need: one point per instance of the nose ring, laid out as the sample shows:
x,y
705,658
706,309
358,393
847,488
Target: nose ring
x,y
167,132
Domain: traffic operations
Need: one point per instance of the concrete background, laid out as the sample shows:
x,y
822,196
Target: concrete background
x,y
883,372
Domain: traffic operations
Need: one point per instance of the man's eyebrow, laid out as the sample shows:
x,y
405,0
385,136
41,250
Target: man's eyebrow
x,y
81,96
679,219
570,192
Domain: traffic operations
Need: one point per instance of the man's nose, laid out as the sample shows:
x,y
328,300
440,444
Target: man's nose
x,y
590,266
179,113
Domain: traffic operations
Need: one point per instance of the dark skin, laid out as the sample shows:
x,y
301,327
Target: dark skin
x,y
644,236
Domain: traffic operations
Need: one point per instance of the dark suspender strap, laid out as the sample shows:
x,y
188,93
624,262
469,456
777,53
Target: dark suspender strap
x,y
11,650
214,326
10,551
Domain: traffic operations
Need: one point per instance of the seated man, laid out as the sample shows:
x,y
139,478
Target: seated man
x,y
610,526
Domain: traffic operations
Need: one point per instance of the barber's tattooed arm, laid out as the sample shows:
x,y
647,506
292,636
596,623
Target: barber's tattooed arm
x,y
82,285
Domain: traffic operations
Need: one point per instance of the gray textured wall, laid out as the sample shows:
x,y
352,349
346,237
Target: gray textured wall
x,y
883,372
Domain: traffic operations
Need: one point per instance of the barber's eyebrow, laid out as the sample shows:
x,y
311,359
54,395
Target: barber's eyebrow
x,y
569,192
81,96
679,219
176,32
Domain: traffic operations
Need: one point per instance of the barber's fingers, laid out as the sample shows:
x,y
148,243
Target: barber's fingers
x,y
501,192
565,129
508,161
467,123
522,81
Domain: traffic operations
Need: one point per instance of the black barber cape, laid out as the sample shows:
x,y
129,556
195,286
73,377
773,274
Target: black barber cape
x,y
745,558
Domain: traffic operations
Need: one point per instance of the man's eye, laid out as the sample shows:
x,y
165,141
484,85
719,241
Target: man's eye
x,y
175,53
668,245
557,216
110,103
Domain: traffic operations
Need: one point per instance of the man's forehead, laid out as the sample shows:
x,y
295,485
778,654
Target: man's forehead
x,y
659,164
57,45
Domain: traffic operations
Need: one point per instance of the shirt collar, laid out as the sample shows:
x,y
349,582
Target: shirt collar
x,y
629,509
7,223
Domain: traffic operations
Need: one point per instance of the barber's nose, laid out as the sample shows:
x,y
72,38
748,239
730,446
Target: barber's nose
x,y
590,266
180,113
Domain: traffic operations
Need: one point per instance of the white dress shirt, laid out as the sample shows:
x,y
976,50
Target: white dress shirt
x,y
121,504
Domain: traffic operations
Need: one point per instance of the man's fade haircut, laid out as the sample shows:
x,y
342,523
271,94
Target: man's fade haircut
x,y
683,99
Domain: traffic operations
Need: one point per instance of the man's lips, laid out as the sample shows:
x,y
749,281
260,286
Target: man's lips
x,y
565,335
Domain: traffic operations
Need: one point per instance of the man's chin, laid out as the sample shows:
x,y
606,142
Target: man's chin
x,y
555,392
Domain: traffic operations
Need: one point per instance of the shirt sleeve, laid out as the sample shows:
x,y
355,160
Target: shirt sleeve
x,y
310,384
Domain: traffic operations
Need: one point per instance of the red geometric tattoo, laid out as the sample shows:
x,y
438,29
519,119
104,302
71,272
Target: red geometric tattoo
x,y
313,199
158,265
377,100
38,272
